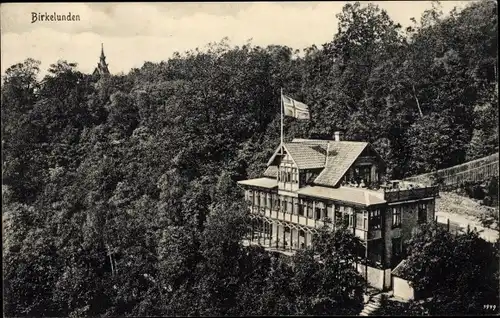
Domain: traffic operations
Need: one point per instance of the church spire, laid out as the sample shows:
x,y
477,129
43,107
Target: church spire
x,y
103,57
102,66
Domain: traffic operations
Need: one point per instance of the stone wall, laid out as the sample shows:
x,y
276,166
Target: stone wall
x,y
402,288
377,278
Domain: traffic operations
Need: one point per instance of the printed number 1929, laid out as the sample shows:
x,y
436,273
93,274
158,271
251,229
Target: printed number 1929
x,y
490,307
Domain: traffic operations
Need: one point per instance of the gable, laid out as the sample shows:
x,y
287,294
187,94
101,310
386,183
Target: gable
x,y
335,157
304,156
277,152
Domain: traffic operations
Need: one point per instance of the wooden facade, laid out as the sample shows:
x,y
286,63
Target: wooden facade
x,y
287,211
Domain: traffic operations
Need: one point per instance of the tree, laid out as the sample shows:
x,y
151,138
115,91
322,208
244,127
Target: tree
x,y
19,90
457,274
328,284
31,265
121,190
435,142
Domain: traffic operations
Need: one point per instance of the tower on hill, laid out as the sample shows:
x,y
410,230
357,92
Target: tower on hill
x,y
102,66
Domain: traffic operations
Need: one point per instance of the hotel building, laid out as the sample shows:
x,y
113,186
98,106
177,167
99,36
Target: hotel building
x,y
312,183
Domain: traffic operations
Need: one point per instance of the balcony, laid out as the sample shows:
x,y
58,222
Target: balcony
x,y
287,217
410,193
368,235
374,234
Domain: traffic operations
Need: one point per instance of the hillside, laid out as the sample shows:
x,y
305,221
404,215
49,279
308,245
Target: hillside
x,y
120,193
463,211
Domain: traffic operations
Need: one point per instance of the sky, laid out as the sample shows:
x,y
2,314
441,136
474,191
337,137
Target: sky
x,y
133,33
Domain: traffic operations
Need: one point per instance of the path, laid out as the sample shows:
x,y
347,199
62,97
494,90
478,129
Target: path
x,y
487,234
463,212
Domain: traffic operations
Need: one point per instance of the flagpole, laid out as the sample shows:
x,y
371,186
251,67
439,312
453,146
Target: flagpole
x,y
281,107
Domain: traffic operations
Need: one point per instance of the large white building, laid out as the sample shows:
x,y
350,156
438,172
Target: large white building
x,y
311,183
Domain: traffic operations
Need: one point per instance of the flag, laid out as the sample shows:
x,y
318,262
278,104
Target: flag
x,y
295,108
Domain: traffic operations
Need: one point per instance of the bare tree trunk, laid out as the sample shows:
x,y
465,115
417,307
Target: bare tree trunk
x,y
111,262
115,267
416,99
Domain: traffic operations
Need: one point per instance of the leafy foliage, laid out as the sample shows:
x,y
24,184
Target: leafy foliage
x,y
456,274
119,191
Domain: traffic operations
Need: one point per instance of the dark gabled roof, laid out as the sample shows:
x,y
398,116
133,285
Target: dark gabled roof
x,y
335,157
307,156
271,171
341,156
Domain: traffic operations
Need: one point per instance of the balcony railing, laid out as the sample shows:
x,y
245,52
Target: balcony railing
x,y
372,234
366,159
367,235
409,194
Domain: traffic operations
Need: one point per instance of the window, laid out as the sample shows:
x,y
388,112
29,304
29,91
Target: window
x,y
256,198
276,202
422,213
302,233
309,210
284,174
302,208
302,178
329,211
361,220
338,215
348,216
357,177
375,220
350,219
287,229
396,216
423,207
284,204
295,206
268,197
249,196
365,174
317,213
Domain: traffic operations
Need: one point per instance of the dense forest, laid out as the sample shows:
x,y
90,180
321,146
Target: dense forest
x,y
119,193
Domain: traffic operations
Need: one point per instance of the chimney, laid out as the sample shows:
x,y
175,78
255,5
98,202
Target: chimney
x,y
339,136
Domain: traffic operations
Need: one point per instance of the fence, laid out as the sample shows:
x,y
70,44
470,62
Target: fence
x,y
456,228
416,193
472,171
